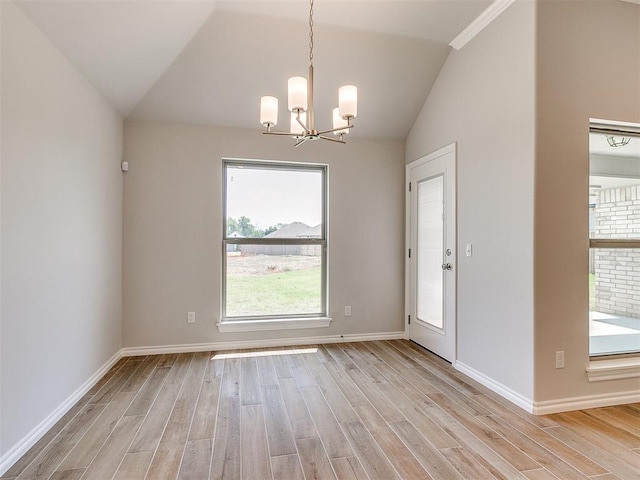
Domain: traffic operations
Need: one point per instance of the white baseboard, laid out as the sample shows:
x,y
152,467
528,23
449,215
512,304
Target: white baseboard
x,y
505,392
587,401
29,440
551,406
274,342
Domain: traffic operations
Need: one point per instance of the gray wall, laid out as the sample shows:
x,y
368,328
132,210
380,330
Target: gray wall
x,y
173,231
61,229
484,100
588,59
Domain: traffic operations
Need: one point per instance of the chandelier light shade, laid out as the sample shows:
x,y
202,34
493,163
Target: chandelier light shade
x,y
348,101
300,104
269,111
297,94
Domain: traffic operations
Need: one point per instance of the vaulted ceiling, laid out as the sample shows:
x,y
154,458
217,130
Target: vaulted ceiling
x,y
210,61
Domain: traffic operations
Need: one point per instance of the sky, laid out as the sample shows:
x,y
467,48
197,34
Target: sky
x,y
269,197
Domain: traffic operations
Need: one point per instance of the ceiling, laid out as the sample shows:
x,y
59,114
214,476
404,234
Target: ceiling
x,y
210,61
598,145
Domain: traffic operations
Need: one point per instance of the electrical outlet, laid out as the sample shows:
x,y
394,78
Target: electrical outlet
x,y
191,317
560,359
347,311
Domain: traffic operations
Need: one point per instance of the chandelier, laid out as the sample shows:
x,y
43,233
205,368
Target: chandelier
x,y
617,141
300,97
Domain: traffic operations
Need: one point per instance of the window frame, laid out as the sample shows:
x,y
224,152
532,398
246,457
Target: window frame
x,y
618,129
279,321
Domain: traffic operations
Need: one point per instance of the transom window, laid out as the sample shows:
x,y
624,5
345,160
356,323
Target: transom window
x,y
275,240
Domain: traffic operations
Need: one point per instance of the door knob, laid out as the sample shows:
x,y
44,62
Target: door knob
x,y
447,266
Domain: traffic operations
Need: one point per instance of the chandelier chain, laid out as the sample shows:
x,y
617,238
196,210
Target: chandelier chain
x,y
311,33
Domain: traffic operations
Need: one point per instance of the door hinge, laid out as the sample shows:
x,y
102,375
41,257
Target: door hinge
x,y
409,186
409,319
409,253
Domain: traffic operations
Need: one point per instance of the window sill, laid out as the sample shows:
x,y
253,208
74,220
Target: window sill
x,y
232,326
614,369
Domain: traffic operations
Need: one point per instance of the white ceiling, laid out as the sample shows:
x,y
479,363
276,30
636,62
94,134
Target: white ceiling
x,y
598,145
210,61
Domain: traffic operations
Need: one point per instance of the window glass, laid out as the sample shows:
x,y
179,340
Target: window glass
x,y
275,242
614,237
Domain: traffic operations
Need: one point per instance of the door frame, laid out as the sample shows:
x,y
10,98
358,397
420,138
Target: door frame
x,y
449,149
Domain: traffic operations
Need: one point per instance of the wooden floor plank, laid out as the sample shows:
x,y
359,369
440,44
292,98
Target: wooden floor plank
x,y
540,474
115,384
334,396
46,463
561,450
86,449
538,453
134,466
225,463
150,433
108,459
430,458
610,460
369,452
249,384
327,426
170,451
68,474
206,414
397,452
287,467
466,463
255,452
299,417
385,409
349,468
520,460
315,463
279,434
197,460
375,397
148,393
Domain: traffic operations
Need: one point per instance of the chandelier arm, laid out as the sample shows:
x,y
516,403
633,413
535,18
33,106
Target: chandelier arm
x,y
302,124
288,134
331,139
300,141
335,129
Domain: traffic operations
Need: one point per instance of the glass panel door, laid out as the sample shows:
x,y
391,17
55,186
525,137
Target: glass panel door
x,y
430,245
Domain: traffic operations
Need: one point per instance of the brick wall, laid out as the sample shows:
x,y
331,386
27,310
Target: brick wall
x,y
617,215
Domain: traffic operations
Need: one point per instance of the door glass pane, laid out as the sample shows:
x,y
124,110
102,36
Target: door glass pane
x,y
430,244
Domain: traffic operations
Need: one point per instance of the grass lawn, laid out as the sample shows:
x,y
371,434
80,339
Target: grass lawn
x,y
279,293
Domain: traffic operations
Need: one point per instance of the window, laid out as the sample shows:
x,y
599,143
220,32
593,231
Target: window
x,y
614,239
275,241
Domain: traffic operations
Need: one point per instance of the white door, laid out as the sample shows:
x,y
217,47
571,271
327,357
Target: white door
x,y
431,259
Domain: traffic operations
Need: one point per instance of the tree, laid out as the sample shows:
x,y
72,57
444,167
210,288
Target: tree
x,y
232,225
272,228
245,227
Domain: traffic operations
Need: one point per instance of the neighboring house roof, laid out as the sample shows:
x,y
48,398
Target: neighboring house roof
x,y
296,230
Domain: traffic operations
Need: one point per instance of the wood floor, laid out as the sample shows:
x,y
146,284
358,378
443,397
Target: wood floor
x,y
377,410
